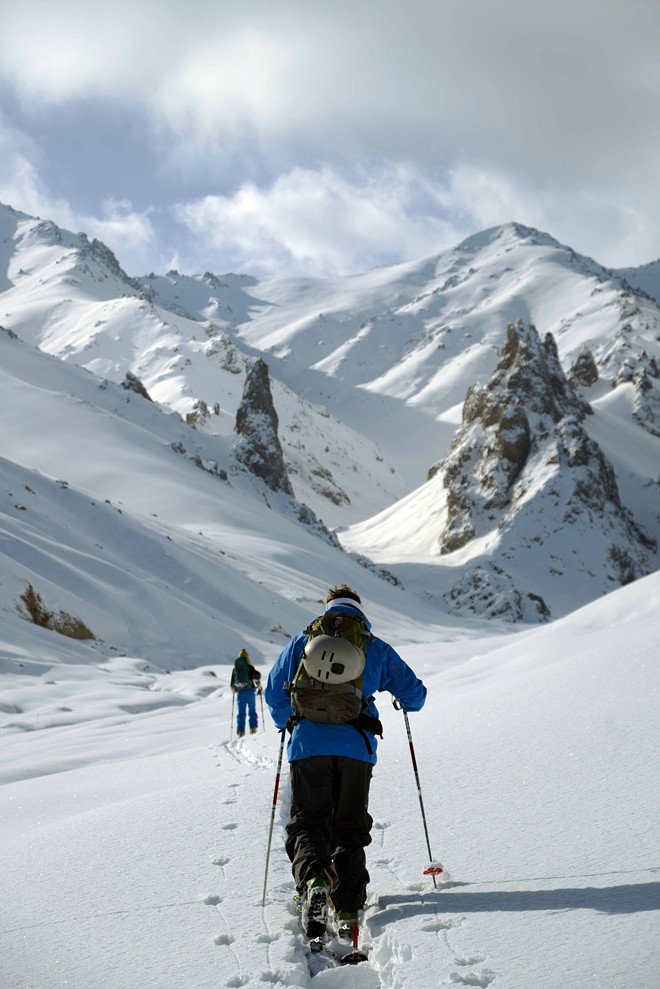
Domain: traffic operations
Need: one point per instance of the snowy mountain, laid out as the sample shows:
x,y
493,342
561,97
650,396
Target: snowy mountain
x,y
148,445
369,377
101,483
69,297
523,499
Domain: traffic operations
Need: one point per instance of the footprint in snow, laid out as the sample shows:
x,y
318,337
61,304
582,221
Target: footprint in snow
x,y
225,939
481,979
213,900
229,827
223,860
267,938
446,925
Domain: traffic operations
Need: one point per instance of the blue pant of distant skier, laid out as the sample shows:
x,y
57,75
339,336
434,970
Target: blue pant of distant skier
x,y
246,702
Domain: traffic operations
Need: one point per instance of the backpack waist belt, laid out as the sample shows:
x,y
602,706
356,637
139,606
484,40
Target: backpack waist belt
x,y
336,688
363,723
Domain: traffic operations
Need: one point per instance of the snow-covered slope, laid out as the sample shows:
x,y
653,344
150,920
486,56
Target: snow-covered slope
x,y
391,352
133,829
523,518
368,377
70,297
420,334
122,515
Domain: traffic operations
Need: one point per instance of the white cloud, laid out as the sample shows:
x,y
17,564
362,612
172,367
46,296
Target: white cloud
x,y
460,115
129,233
320,221
20,184
615,227
329,220
324,222
558,90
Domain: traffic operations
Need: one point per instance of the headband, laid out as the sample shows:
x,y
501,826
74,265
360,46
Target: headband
x,y
343,602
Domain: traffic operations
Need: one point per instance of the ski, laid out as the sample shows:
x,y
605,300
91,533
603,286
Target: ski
x,y
322,956
319,956
325,952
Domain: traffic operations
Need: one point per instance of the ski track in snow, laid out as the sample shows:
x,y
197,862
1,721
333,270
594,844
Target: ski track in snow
x,y
278,955
155,843
407,927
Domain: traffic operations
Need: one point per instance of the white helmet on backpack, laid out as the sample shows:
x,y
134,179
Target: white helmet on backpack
x,y
333,659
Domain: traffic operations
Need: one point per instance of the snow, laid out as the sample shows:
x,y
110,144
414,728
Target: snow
x,y
133,823
133,845
389,351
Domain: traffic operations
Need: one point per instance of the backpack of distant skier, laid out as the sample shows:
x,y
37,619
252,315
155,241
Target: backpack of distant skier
x,y
327,687
242,676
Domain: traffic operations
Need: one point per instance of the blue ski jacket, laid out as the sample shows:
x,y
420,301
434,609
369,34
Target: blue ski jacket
x,y
383,670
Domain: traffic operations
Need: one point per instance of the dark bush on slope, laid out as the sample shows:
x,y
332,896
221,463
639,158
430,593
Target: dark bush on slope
x,y
33,610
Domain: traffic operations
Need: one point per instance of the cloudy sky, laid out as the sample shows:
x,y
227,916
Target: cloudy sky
x,y
330,136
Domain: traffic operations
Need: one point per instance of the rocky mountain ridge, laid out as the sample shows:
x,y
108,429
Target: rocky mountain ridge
x,y
523,471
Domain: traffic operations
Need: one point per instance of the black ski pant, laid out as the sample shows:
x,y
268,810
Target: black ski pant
x,y
330,825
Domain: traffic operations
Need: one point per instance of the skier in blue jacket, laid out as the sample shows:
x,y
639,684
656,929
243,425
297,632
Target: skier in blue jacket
x,y
246,682
331,767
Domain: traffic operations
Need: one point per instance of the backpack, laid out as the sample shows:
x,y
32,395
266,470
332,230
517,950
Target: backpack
x,y
241,678
327,687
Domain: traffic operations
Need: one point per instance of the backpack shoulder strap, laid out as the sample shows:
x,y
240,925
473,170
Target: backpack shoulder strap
x,y
318,626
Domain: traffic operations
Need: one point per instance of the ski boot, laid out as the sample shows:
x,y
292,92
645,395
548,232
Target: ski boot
x,y
315,911
344,922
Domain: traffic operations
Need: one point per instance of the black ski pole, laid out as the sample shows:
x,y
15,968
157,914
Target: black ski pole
x,y
263,720
231,726
272,815
434,868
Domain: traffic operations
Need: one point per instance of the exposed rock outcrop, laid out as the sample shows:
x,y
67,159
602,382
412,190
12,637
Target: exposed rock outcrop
x,y
257,446
522,453
132,383
646,404
584,370
521,404
96,258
